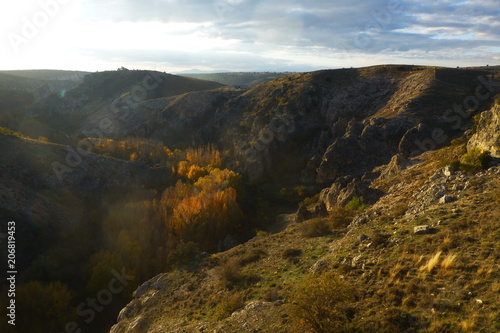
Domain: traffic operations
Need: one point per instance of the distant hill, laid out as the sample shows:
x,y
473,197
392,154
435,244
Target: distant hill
x,y
47,74
39,82
240,79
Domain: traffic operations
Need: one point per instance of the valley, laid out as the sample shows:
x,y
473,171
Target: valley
x,y
348,200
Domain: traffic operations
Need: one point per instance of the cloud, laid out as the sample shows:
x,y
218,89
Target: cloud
x,y
311,33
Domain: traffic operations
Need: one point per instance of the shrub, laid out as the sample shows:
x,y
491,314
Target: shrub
x,y
182,255
291,253
252,257
379,239
315,228
394,319
475,159
459,141
399,209
326,303
455,165
228,305
356,204
496,195
340,217
229,273
261,233
311,200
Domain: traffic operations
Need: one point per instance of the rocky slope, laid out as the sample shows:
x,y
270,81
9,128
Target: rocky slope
x,y
365,115
419,254
383,253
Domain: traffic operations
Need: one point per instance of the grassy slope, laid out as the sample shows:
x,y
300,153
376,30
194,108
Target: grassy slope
x,y
392,271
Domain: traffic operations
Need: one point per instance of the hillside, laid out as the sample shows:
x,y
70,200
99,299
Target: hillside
x,y
443,280
236,210
243,80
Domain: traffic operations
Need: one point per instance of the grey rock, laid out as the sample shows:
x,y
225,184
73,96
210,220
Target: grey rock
x,y
445,199
448,171
421,230
362,237
318,267
487,136
359,219
131,310
142,289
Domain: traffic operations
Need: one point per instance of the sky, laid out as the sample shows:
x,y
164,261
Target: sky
x,y
246,35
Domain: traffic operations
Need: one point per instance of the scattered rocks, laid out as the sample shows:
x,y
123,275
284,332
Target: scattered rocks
x,y
131,310
362,237
421,230
445,199
356,260
448,171
142,289
359,220
318,267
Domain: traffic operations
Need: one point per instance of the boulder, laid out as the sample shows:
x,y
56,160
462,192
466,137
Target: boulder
x,y
362,237
421,230
487,135
445,199
344,189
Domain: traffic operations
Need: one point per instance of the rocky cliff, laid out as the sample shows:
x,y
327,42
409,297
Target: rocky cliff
x,y
487,134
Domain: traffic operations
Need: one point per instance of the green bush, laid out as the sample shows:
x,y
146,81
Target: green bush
x,y
182,255
228,305
326,304
356,205
310,200
475,159
455,165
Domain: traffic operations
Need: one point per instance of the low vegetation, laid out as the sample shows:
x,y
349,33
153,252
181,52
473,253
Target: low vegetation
x,y
318,280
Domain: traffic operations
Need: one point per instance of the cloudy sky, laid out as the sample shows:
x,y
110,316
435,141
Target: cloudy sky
x,y
246,35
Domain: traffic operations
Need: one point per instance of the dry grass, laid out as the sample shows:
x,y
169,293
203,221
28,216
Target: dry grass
x,y
315,228
431,264
229,273
394,272
448,261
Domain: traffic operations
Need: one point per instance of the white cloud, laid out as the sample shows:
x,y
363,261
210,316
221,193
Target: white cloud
x,y
259,34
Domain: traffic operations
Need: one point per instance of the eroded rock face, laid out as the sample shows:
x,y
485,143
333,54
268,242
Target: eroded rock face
x,y
487,136
344,190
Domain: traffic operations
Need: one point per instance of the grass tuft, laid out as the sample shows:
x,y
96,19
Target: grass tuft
x,y
429,266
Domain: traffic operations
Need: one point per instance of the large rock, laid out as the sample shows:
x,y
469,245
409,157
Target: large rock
x,y
487,136
343,190
397,163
